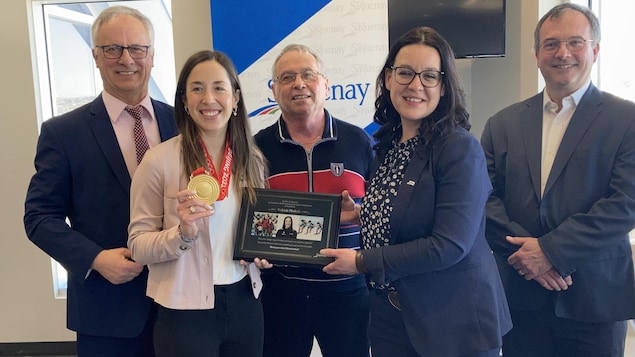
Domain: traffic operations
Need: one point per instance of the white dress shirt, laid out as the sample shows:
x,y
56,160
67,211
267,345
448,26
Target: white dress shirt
x,y
554,126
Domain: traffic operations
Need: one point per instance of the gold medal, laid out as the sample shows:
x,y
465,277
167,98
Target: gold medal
x,y
205,187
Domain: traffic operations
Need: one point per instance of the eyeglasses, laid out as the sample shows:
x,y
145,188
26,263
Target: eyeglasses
x,y
115,51
573,44
429,78
307,76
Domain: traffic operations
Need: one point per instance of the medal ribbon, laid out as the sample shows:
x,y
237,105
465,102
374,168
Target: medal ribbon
x,y
226,168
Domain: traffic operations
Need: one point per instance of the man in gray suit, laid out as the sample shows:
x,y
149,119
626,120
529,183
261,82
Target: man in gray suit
x,y
562,165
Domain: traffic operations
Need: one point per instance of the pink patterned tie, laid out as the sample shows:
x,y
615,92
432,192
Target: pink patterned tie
x,y
140,140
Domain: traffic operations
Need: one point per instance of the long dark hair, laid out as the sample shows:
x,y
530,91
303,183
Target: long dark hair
x,y
249,163
450,112
284,222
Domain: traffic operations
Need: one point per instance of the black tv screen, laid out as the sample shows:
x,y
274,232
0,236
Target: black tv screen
x,y
474,28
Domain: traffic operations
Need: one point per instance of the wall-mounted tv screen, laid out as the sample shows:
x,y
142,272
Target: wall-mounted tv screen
x,y
474,28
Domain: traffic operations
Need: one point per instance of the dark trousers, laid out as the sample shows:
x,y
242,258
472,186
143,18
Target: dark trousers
x,y
296,311
542,334
102,346
233,328
387,332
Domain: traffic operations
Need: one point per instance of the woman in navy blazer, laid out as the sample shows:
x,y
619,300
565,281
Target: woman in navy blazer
x,y
436,288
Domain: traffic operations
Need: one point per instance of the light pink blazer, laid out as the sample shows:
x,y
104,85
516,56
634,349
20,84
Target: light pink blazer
x,y
180,274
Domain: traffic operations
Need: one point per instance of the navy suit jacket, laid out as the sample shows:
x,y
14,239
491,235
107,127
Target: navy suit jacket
x,y
587,210
81,175
438,260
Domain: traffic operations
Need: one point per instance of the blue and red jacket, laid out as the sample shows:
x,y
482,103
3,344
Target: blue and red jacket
x,y
340,160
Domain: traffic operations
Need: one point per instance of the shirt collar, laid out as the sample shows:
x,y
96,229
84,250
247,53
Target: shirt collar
x,y
116,107
575,96
329,128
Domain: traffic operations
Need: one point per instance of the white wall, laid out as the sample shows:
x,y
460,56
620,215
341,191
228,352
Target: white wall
x,y
27,309
497,82
28,312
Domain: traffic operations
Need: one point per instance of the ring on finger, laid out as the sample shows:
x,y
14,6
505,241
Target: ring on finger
x,y
519,271
192,209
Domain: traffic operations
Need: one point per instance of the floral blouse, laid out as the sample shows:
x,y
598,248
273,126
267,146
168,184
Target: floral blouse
x,y
377,205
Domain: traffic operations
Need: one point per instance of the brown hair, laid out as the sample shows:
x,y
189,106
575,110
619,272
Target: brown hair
x,y
249,163
558,10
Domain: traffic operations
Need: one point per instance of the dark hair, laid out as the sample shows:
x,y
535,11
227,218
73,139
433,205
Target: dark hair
x,y
558,10
249,163
284,221
450,112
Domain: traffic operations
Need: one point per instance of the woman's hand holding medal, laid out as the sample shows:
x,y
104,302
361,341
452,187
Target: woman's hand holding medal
x,y
205,188
190,209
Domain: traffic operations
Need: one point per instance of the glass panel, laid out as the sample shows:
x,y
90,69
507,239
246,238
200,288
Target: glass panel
x,y
613,76
615,20
73,72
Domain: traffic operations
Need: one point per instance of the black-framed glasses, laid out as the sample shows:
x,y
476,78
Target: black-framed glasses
x,y
307,76
115,51
430,78
574,44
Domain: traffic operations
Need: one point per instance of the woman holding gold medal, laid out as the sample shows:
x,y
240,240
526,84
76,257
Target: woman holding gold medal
x,y
185,199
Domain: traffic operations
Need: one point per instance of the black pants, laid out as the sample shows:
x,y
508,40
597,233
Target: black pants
x,y
542,334
296,311
102,346
387,332
233,328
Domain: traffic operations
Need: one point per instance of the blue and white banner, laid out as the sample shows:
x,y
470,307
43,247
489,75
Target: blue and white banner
x,y
351,37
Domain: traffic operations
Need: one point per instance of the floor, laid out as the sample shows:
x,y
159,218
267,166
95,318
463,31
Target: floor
x,y
629,352
316,350
630,345
630,340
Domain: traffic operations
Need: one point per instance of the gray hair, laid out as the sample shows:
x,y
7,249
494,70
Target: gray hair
x,y
114,11
301,49
558,10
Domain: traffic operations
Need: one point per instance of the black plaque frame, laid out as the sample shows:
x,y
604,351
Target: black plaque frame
x,y
319,211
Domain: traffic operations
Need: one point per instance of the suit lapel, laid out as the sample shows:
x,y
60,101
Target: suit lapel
x,y
165,120
531,128
419,161
105,137
587,110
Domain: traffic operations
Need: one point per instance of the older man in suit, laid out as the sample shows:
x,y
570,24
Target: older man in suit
x,y
562,164
84,163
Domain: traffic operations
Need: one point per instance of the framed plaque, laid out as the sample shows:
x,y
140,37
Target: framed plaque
x,y
288,227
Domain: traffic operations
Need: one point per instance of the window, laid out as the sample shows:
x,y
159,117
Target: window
x,y
613,75
64,71
610,74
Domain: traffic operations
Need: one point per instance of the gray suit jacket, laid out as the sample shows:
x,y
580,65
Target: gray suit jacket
x,y
587,210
